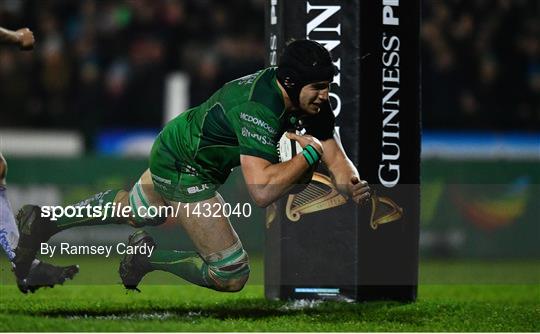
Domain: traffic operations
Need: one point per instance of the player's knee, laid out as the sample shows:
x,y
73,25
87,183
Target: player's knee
x,y
230,271
239,284
234,285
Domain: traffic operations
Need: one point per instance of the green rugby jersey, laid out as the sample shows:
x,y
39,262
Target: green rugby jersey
x,y
246,116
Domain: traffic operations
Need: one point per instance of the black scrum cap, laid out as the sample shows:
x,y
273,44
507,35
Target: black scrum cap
x,y
304,62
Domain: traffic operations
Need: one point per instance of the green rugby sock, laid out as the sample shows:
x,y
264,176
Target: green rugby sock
x,y
98,200
187,265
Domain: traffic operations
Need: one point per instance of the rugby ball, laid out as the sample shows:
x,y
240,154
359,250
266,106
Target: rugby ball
x,y
287,149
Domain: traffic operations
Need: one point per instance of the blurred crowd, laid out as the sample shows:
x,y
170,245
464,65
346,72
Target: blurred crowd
x,y
481,64
103,63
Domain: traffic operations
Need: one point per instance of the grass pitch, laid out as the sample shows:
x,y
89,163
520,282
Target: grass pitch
x,y
512,305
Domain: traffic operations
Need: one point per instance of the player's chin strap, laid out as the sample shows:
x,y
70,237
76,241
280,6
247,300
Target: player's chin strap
x,y
229,264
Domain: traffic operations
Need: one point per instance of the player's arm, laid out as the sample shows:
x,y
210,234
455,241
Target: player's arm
x,y
267,182
343,172
24,38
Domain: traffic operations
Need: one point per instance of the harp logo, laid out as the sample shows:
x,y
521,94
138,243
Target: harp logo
x,y
322,195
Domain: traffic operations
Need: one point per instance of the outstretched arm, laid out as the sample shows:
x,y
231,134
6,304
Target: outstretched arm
x,y
24,38
344,174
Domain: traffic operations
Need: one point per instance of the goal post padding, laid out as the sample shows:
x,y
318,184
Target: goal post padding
x,y
319,244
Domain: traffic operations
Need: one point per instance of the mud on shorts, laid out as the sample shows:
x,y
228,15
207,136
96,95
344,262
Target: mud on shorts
x,y
175,179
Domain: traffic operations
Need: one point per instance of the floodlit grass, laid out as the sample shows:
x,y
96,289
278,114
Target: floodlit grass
x,y
507,303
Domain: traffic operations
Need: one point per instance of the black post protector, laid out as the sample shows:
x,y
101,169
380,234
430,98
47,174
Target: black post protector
x,y
319,244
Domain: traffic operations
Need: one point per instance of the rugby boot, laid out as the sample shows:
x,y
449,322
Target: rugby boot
x,y
46,275
133,267
33,230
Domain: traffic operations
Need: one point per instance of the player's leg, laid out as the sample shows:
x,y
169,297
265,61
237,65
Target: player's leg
x,y
36,229
224,262
40,273
220,262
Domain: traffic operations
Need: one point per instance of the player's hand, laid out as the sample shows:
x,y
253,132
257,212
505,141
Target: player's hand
x,y
305,140
359,190
25,37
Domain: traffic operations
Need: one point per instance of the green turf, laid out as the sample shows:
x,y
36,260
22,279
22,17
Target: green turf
x,y
440,307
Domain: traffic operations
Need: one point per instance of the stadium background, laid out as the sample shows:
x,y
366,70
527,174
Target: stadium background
x,y
78,114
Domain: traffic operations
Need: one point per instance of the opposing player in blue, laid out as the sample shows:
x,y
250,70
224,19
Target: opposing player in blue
x,y
38,274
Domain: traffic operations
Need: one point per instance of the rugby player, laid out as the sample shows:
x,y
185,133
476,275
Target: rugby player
x,y
194,154
40,274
